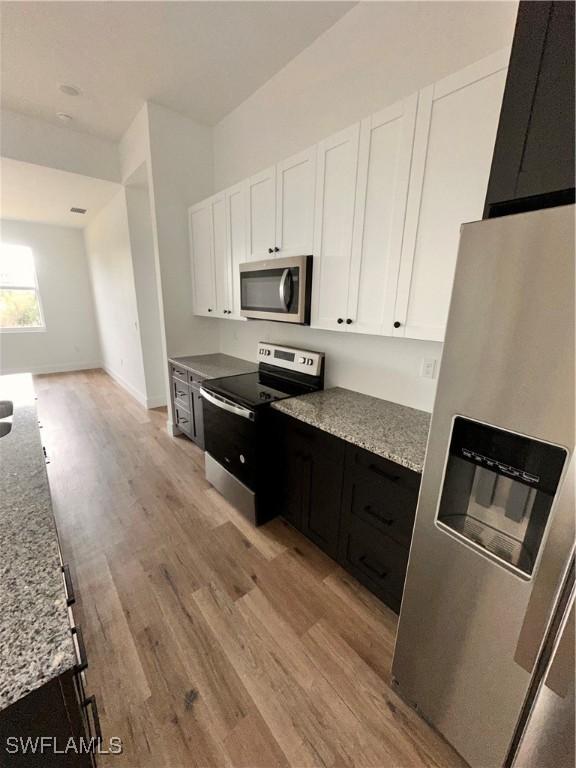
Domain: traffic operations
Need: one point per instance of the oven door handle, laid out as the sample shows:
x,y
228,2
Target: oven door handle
x,y
286,280
226,405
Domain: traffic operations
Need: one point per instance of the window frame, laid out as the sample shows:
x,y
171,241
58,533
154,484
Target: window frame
x,y
36,288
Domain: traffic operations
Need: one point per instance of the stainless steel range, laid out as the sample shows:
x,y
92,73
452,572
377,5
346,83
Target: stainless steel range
x,y
237,439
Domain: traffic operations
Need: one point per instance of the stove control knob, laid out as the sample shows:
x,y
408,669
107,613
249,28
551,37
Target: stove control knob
x,y
309,361
302,360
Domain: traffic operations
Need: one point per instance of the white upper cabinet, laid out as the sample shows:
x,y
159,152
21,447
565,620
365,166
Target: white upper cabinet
x,y
236,239
262,214
386,141
454,141
295,184
281,208
221,257
378,205
202,257
333,229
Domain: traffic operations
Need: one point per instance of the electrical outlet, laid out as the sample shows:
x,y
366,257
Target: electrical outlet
x,y
428,368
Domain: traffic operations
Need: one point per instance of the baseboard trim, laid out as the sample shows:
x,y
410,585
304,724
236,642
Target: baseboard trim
x,y
148,402
130,388
59,368
156,402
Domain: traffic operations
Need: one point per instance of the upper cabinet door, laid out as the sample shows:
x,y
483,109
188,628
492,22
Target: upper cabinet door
x,y
454,141
201,244
262,215
236,230
333,228
221,256
295,184
386,141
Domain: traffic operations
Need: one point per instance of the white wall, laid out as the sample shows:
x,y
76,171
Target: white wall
x,y
376,54
70,341
144,267
37,141
181,173
109,254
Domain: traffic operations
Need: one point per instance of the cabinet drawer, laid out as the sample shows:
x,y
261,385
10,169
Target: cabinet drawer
x,y
363,463
177,372
181,394
387,506
184,420
377,561
194,378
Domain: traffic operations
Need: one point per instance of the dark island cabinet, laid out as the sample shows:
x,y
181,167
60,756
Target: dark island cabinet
x,y
357,507
533,163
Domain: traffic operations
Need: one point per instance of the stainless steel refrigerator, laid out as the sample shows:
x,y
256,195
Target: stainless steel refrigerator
x,y
488,591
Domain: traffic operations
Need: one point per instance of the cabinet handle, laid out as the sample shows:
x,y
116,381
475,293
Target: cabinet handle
x,y
83,660
270,250
182,421
376,571
276,249
397,324
340,321
377,515
91,702
348,321
70,596
209,309
382,473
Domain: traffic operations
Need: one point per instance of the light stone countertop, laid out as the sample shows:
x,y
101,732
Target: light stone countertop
x,y
215,366
390,430
35,640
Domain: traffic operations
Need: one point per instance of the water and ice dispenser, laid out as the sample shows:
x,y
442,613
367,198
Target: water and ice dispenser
x,y
498,490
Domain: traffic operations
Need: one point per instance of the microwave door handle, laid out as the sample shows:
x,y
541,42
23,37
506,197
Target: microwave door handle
x,y
226,405
285,282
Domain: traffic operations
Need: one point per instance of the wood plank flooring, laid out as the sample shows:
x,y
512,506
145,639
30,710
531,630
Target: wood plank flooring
x,y
212,643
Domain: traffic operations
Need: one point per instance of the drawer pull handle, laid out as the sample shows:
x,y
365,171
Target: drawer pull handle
x,y
182,421
378,516
382,473
83,660
376,571
181,394
70,596
91,702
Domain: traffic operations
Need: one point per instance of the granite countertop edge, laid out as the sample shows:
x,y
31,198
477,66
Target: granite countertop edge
x,y
392,431
214,366
36,643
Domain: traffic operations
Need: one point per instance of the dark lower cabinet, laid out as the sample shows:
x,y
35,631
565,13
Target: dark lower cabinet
x,y
357,507
311,465
186,403
38,730
377,517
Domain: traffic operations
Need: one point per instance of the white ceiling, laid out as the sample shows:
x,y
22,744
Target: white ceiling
x,y
45,195
199,58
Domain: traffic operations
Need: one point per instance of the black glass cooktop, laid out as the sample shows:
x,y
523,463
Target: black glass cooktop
x,y
254,389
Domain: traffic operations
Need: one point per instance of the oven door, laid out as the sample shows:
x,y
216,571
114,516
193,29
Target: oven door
x,y
278,289
230,436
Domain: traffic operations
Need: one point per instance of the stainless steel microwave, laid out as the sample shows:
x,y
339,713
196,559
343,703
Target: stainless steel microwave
x,y
277,289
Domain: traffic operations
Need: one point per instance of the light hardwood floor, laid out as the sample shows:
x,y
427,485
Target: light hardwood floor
x,y
212,643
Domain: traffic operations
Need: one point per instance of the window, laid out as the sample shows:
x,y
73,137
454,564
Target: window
x,y
20,308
